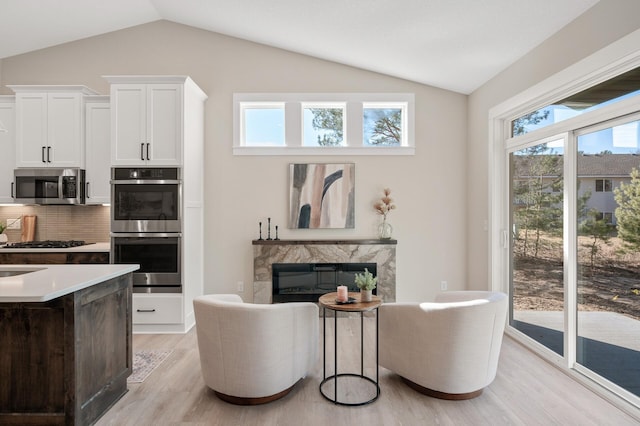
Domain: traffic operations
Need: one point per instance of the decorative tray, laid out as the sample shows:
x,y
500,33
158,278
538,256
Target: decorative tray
x,y
349,300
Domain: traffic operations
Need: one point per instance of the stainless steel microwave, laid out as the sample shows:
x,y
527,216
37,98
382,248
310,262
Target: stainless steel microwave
x,y
49,186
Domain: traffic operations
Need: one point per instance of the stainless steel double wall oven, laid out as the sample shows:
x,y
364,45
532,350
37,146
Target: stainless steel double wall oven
x,y
146,226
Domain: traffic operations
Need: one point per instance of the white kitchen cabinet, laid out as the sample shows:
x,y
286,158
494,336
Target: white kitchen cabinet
x,y
49,125
147,122
98,149
159,121
158,309
7,147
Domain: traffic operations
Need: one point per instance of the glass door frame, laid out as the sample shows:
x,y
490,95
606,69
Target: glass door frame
x,y
568,245
501,247
597,68
573,284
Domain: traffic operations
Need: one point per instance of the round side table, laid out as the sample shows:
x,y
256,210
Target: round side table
x,y
328,301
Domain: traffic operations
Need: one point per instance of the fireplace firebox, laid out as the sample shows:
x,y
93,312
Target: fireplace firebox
x,y
306,282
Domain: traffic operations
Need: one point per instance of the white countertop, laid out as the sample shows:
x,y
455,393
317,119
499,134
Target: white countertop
x,y
52,281
88,248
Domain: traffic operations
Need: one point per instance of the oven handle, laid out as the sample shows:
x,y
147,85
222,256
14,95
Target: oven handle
x,y
146,182
147,234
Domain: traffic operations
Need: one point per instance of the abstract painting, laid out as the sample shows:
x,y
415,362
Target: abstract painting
x,y
322,195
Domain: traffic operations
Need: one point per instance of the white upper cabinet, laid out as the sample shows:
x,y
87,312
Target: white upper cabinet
x,y
49,125
146,123
98,149
7,147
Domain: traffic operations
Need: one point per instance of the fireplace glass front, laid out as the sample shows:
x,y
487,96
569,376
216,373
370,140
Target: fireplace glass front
x,y
306,282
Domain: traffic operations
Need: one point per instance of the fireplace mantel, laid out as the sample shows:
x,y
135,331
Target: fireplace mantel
x,y
321,242
268,252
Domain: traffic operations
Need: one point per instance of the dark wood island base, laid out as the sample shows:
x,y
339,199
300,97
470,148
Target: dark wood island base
x,y
65,361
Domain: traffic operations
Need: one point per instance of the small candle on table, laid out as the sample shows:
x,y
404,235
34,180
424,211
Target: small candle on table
x,y
342,293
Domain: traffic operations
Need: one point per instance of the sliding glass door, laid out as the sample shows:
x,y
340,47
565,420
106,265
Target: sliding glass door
x,y
608,252
574,252
536,216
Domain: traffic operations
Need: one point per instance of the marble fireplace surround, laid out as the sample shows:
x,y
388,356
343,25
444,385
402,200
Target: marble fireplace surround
x,y
267,252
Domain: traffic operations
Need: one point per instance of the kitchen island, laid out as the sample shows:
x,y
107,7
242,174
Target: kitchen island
x,y
65,342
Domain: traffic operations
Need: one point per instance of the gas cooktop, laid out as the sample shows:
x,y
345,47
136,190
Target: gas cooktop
x,y
46,244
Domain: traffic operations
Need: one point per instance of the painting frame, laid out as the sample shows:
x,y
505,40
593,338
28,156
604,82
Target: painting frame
x,y
321,196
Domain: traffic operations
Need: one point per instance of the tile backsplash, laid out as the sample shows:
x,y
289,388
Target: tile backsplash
x,y
87,223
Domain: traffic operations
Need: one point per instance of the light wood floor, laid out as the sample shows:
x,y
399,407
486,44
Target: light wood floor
x,y
527,391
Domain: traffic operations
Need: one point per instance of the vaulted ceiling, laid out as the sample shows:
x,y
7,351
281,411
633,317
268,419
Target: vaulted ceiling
x,y
453,44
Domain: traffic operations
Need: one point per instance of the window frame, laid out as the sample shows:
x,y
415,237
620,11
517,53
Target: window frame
x,y
353,122
604,187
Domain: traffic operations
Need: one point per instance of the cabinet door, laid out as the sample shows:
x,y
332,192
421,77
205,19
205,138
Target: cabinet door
x,y
64,130
164,124
8,149
31,129
98,141
128,124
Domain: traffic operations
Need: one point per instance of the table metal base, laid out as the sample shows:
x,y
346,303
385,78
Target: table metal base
x,y
352,404
335,377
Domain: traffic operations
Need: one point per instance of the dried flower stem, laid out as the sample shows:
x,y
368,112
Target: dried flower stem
x,y
385,205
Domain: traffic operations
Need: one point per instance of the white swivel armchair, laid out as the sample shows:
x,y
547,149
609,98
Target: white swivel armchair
x,y
448,349
254,353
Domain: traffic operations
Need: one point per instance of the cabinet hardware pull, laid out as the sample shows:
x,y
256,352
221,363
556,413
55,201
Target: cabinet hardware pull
x,y
145,310
148,151
43,154
142,151
12,196
88,193
48,154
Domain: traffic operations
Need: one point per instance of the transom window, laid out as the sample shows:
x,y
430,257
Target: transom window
x,y
323,124
383,124
263,123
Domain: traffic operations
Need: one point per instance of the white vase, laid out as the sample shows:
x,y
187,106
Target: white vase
x,y
3,239
366,295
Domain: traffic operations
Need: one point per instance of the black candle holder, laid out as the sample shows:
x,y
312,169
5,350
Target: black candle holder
x,y
269,229
260,239
276,238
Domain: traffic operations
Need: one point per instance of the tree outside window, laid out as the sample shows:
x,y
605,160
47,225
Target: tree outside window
x,y
382,126
324,126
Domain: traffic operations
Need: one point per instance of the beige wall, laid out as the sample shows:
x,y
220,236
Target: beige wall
x,y
429,188
606,22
